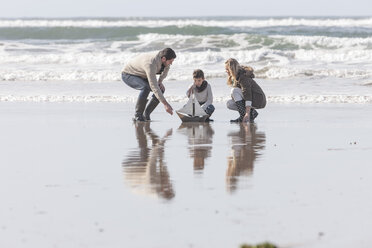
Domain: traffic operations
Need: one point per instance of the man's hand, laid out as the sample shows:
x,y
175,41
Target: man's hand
x,y
168,108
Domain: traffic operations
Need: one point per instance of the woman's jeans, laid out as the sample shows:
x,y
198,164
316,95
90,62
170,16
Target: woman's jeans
x,y
258,100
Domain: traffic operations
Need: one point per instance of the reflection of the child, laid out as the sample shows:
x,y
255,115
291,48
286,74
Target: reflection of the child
x,y
144,168
246,145
200,136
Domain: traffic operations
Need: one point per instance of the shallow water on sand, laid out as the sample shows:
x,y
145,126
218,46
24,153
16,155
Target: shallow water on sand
x,y
192,145
83,175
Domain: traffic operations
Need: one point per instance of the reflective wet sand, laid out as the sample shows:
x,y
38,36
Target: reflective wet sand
x,y
145,169
83,175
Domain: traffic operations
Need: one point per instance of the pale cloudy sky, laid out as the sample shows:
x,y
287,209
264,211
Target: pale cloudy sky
x,y
125,8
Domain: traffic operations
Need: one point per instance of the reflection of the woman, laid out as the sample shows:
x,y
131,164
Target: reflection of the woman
x,y
200,136
144,169
246,145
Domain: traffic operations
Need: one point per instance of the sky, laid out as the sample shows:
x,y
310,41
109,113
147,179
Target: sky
x,y
146,8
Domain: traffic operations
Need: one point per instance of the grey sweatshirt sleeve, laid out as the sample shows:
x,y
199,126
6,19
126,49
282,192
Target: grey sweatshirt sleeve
x,y
188,92
209,97
150,70
164,74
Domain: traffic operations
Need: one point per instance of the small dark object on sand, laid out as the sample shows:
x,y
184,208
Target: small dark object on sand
x,y
262,245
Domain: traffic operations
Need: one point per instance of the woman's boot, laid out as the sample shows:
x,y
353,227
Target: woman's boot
x,y
252,115
241,109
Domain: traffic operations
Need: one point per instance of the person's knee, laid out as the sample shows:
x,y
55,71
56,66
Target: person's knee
x,y
210,109
236,90
145,92
124,77
236,94
230,104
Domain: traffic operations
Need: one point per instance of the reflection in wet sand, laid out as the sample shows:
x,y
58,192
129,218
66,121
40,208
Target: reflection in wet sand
x,y
246,145
145,170
200,137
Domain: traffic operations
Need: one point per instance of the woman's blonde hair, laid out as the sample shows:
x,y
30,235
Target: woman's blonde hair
x,y
233,66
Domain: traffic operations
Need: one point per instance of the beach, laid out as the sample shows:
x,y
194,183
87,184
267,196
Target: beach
x,y
83,175
77,172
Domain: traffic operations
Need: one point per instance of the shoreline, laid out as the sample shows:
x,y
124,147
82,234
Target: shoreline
x,y
291,91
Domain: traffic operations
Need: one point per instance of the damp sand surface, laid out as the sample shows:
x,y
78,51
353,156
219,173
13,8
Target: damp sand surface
x,y
83,175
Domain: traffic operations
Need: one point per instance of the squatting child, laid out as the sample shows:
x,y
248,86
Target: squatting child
x,y
203,92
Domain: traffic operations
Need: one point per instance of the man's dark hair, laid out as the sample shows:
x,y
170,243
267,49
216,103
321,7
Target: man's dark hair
x,y
198,74
168,53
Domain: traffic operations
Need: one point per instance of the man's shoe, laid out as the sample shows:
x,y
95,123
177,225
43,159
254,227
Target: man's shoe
x,y
154,102
138,118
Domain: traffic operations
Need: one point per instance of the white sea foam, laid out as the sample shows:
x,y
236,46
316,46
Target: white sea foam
x,y
312,53
60,75
311,42
306,99
103,61
321,99
177,73
270,22
328,90
193,50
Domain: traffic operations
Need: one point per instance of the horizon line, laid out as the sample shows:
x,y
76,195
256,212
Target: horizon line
x,y
188,16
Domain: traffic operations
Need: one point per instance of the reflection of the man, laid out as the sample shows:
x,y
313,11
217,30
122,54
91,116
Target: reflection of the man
x,y
144,169
200,136
246,145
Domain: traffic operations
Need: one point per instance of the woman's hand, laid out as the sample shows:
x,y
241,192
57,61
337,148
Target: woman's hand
x,y
246,117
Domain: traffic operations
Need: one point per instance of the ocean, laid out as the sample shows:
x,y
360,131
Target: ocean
x,y
296,59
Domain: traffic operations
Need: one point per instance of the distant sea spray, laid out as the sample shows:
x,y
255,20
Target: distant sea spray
x,y
96,49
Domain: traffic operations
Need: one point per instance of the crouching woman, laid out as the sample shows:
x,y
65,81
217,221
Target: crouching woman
x,y
246,94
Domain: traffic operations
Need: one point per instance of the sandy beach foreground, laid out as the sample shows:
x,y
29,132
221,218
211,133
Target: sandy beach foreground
x,y
83,175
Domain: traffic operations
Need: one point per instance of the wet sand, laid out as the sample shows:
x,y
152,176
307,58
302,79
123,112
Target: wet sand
x,y
83,175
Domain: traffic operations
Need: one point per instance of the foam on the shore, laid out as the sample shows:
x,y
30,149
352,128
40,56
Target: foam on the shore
x,y
108,98
329,90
